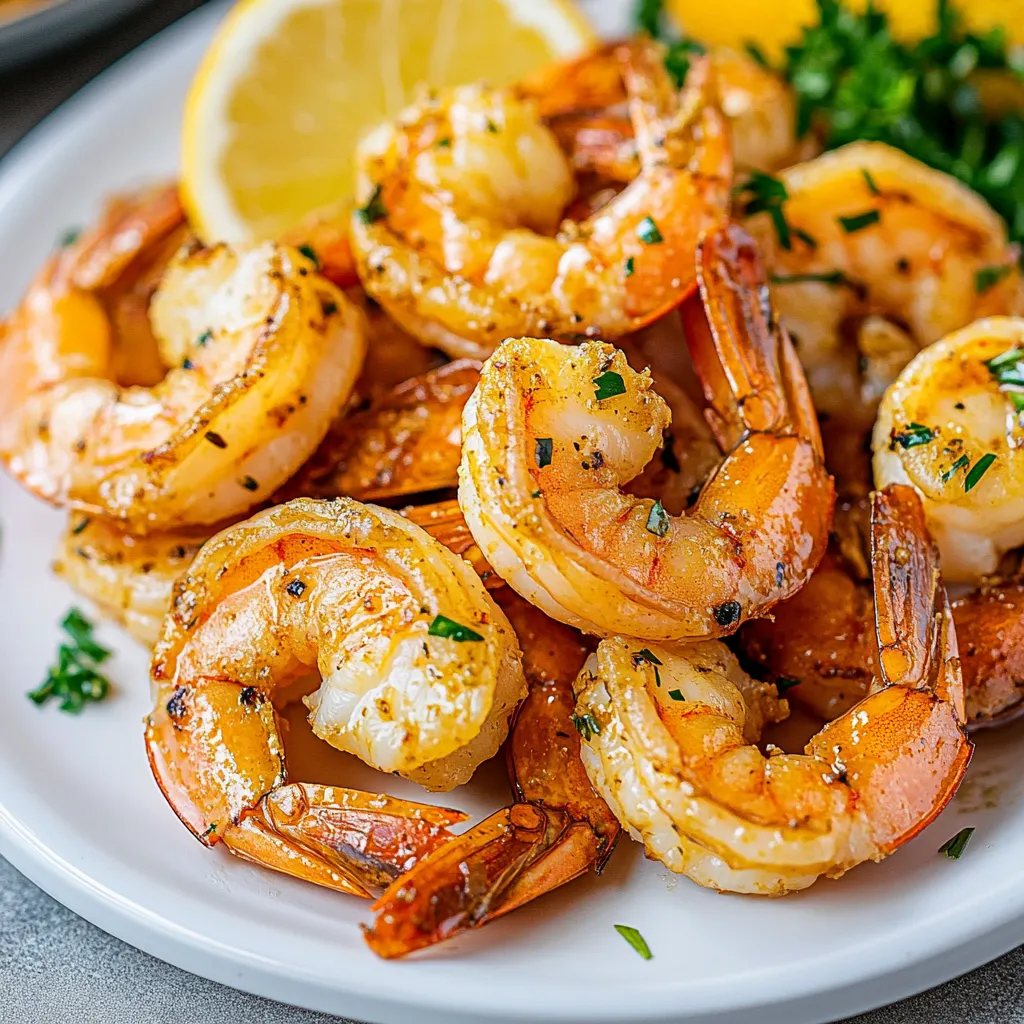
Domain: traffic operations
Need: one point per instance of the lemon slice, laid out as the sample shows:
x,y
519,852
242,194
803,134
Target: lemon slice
x,y
774,25
288,87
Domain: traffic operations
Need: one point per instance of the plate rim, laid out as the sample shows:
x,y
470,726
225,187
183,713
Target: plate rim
x,y
936,960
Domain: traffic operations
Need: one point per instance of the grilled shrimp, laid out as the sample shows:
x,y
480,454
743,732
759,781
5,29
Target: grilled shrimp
x,y
128,578
419,672
819,646
884,258
408,441
951,427
670,743
583,102
461,195
553,431
264,352
556,830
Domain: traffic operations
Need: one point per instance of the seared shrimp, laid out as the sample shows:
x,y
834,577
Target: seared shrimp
x,y
264,352
951,427
419,671
128,578
556,830
461,195
583,102
409,441
884,258
553,431
676,763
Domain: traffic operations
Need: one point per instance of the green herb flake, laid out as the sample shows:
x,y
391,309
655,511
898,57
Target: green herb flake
x,y
310,253
648,233
647,17
809,240
676,694
658,521
870,182
209,831
204,339
912,435
80,526
374,210
74,680
859,221
652,660
988,277
630,266
784,683
962,463
757,55
451,630
1008,370
954,848
766,194
70,237
609,385
978,470
677,59
542,449
445,143
586,725
635,939
835,278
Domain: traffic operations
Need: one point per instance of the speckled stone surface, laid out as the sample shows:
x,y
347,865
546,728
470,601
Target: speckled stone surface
x,y
56,968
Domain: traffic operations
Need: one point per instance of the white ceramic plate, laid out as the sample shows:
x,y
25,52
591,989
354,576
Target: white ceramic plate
x,y
80,815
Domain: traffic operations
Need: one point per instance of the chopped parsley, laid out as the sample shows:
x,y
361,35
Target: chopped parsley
x,y
854,80
859,221
648,233
1008,370
445,143
676,694
374,210
954,848
542,448
677,59
766,194
835,278
80,526
635,939
451,630
652,660
912,435
310,253
962,463
658,520
630,266
977,471
989,277
586,725
784,683
647,17
204,339
74,680
609,385
870,182
70,237
757,55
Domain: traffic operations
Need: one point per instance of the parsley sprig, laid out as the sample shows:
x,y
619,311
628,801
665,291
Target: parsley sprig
x,y
74,679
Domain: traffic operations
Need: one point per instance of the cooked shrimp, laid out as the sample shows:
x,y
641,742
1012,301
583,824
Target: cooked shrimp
x,y
460,197
409,441
129,578
884,259
264,353
677,764
555,831
553,431
950,426
583,102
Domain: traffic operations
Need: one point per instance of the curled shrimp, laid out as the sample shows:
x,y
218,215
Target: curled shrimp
x,y
950,425
553,431
263,351
419,671
557,829
583,102
461,195
677,765
408,441
886,251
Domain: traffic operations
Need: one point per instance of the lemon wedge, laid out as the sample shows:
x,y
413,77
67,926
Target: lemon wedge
x,y
287,88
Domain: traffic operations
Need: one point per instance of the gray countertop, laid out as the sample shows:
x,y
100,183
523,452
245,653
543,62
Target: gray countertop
x,y
55,967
